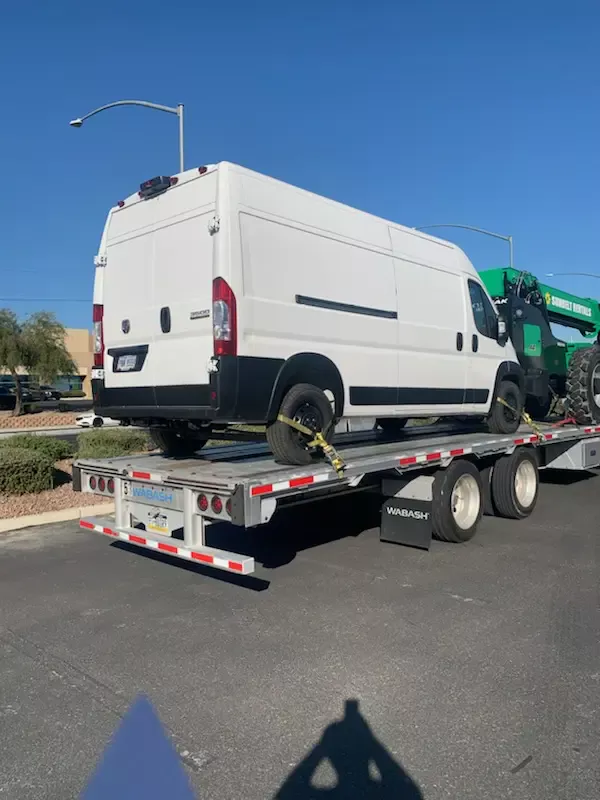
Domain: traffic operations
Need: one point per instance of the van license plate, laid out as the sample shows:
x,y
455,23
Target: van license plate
x,y
126,363
158,523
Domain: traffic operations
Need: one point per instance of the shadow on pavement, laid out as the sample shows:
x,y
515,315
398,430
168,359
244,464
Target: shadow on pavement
x,y
565,477
300,528
353,763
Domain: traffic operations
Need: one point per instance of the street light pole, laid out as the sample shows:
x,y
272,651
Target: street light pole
x,y
508,239
77,123
585,274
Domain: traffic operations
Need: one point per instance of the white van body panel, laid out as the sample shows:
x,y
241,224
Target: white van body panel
x,y
388,306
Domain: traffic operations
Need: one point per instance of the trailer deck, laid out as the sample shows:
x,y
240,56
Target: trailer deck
x,y
174,499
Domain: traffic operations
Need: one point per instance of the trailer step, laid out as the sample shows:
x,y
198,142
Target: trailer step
x,y
221,559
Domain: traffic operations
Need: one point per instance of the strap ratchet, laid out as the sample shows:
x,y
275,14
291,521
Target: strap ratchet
x,y
318,440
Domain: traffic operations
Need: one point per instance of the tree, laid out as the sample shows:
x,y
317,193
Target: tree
x,y
36,344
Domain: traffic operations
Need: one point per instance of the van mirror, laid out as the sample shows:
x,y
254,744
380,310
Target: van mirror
x,y
501,332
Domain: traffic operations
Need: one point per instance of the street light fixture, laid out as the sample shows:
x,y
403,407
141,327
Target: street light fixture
x,y
585,274
508,239
78,122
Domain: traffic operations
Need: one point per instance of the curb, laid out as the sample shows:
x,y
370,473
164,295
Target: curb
x,y
65,514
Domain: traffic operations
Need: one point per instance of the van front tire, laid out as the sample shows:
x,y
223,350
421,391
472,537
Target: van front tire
x,y
308,405
177,444
507,409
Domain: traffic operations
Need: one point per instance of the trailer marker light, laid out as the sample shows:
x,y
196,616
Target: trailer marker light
x,y
202,170
121,203
93,483
202,502
110,485
101,485
216,505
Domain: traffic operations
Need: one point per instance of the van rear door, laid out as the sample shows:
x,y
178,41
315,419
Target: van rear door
x,y
158,294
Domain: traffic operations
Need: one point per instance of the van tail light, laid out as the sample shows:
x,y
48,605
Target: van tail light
x,y
98,335
224,319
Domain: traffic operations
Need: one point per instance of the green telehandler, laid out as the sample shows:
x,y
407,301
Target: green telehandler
x,y
553,368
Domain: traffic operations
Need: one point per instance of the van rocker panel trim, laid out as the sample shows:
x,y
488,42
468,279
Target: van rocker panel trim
x,y
414,396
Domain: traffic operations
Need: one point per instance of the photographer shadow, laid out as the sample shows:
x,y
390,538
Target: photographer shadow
x,y
363,767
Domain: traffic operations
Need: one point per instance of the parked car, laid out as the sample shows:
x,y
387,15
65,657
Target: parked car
x,y
265,301
50,393
95,421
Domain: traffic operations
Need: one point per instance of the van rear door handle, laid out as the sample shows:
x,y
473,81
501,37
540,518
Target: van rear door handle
x,y
459,341
475,343
165,319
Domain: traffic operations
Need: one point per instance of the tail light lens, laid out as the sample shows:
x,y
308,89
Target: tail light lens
x,y
228,506
98,335
216,505
101,484
202,502
224,319
93,483
110,485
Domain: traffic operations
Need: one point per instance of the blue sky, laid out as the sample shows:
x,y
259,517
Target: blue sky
x,y
420,111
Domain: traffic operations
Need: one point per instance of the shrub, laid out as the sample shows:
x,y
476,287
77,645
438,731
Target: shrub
x,y
73,393
102,443
55,449
24,471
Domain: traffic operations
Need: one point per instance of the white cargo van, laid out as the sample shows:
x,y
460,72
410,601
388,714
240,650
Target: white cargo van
x,y
224,296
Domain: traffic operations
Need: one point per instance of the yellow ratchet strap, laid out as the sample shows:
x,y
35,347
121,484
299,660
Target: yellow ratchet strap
x,y
318,440
525,417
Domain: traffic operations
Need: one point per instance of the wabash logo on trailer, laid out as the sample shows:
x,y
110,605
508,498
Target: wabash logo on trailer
x,y
407,513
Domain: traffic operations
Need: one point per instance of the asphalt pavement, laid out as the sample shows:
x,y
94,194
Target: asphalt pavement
x,y
471,671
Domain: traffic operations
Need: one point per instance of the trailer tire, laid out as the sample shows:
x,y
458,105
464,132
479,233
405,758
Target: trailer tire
x,y
392,426
310,406
502,419
457,505
583,386
177,443
486,482
515,484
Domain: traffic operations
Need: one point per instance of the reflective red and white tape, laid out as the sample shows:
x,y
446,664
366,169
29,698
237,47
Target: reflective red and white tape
x,y
243,566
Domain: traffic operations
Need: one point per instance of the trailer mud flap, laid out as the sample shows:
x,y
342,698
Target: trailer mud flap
x,y
406,521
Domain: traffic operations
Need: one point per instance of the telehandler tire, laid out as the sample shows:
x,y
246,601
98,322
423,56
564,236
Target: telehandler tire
x,y
583,386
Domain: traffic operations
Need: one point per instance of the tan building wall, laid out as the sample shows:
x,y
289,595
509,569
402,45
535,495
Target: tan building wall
x,y
80,344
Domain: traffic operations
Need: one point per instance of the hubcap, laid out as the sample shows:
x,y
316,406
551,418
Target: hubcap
x,y
596,384
525,484
465,501
310,417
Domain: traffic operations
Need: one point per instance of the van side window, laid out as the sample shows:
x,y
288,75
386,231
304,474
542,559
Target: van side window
x,y
486,319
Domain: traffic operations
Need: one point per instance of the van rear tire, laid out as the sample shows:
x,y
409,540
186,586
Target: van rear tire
x,y
177,444
502,419
308,405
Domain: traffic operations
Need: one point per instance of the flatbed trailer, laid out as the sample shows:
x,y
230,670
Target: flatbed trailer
x,y
436,480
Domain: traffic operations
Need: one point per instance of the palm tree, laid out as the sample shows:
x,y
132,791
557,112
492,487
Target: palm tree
x,y
36,344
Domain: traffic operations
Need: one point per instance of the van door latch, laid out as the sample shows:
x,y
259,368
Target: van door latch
x,y
214,225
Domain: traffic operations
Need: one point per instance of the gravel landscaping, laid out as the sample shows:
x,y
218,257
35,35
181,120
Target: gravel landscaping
x,y
62,496
39,419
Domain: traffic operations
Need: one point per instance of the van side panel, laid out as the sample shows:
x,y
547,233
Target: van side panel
x,y
317,278
431,324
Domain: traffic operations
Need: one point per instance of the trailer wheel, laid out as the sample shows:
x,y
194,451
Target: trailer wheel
x,y
457,502
515,484
583,385
506,418
392,425
309,406
176,443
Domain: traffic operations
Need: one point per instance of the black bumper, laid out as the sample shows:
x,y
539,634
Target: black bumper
x,y
240,391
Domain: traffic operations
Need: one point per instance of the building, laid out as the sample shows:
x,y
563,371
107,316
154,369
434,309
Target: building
x,y
80,344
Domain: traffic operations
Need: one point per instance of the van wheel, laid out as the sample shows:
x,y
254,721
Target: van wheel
x,y
392,425
506,418
309,406
176,443
457,502
515,483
